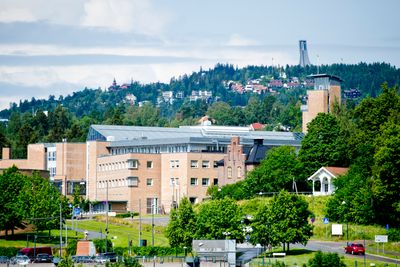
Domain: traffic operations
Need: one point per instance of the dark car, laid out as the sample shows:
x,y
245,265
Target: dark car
x,y
111,256
4,259
43,257
355,248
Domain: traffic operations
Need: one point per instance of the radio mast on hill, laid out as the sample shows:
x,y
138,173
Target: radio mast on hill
x,y
304,61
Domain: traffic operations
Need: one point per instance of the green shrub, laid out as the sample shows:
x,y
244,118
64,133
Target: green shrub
x,y
394,235
127,215
9,251
326,260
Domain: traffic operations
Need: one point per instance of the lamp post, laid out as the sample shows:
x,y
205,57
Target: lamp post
x,y
60,227
152,223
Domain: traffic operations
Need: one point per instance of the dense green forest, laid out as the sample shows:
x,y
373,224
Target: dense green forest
x,y
69,117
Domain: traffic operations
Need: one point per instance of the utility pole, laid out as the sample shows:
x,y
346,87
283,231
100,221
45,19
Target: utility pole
x,y
60,226
140,223
106,215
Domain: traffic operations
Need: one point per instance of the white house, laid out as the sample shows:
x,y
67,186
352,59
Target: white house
x,y
323,180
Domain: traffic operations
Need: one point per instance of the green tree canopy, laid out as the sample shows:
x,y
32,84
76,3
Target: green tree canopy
x,y
277,171
322,145
287,221
181,227
219,219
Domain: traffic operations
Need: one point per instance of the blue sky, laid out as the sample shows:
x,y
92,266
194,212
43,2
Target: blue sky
x,y
56,47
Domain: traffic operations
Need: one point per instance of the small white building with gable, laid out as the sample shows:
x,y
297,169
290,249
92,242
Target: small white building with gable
x,y
323,180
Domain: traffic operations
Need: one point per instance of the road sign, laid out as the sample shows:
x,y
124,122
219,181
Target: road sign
x,y
325,220
381,238
77,211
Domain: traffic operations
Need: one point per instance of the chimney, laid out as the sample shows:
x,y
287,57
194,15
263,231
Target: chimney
x,y
6,153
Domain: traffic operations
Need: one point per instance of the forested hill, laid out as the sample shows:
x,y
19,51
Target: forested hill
x,y
367,78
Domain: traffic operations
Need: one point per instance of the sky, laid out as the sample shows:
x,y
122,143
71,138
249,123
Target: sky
x,y
56,47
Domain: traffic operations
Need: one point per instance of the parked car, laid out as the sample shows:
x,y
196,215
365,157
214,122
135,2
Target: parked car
x,y
111,256
82,259
101,259
32,252
43,257
20,260
4,259
355,248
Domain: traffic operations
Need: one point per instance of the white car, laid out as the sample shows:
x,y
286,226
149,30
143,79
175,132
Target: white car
x,y
20,260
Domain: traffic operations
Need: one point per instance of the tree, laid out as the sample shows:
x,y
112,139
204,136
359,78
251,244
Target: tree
x,y
181,227
219,219
3,139
386,174
287,220
11,187
277,171
41,203
220,112
322,145
261,227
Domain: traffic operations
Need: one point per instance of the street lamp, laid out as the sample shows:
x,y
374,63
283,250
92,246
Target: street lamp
x,y
347,221
152,224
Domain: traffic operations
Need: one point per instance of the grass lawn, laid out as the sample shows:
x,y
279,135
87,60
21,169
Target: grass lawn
x,y
119,228
298,257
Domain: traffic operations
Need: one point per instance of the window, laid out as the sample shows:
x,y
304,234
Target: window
x,y
193,181
194,164
215,164
152,206
239,172
149,182
205,164
205,181
215,181
174,164
174,181
193,200
133,181
133,163
149,165
229,172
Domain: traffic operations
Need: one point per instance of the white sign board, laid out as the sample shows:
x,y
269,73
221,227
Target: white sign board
x,y
337,229
381,238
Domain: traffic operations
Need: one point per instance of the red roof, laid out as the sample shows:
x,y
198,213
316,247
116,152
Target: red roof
x,y
257,126
337,170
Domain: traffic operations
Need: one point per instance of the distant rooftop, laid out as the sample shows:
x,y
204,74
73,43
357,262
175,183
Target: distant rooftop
x,y
124,135
331,77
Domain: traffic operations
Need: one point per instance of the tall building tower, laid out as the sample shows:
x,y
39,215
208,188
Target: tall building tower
x,y
326,92
304,61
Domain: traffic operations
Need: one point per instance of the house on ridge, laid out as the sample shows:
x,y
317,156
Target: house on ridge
x,y
323,180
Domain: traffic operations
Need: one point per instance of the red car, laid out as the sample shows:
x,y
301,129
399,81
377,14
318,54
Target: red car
x,y
355,248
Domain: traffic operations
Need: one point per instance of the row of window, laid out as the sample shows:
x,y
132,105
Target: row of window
x,y
204,181
204,164
239,172
51,155
133,181
129,164
130,181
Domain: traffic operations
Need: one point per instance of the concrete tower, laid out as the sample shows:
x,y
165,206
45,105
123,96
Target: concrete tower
x,y
304,61
326,92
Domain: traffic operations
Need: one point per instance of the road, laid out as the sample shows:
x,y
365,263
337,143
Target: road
x,y
338,247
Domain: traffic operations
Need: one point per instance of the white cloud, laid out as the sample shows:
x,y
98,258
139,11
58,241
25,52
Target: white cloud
x,y
238,40
138,16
